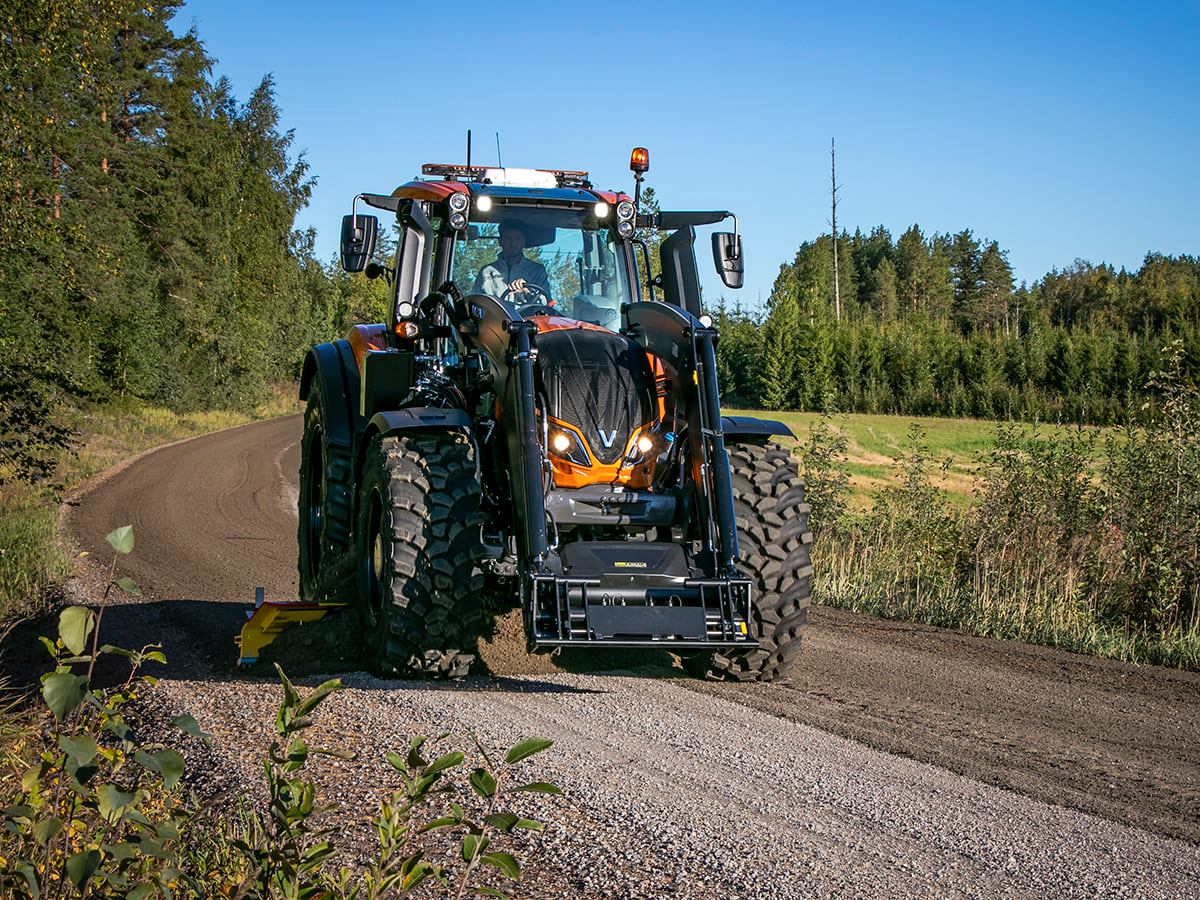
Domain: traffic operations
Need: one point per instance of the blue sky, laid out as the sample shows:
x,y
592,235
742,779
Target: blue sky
x,y
1063,133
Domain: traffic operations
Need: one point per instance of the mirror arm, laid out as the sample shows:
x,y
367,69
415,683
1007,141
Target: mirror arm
x,y
646,258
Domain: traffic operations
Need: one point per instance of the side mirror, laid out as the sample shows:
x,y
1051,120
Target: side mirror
x,y
727,255
358,241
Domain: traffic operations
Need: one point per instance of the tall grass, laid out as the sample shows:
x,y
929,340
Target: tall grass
x,y
1056,549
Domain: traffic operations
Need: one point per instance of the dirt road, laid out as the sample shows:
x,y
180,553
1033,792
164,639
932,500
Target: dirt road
x,y
902,760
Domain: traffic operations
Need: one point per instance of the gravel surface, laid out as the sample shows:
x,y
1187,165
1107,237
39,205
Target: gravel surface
x,y
673,793
683,788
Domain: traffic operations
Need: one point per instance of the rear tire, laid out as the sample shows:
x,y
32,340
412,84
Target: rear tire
x,y
421,591
774,543
325,511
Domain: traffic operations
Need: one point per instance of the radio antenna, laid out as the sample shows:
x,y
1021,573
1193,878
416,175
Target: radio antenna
x,y
468,153
499,162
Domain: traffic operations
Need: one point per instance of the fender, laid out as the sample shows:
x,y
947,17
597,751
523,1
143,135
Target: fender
x,y
332,367
412,418
736,427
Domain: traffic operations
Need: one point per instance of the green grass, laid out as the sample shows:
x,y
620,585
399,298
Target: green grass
x,y
956,447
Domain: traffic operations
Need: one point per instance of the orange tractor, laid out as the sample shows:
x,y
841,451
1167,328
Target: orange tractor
x,y
533,426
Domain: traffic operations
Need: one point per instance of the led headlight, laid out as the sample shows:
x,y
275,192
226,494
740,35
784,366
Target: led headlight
x,y
645,444
564,444
483,203
625,228
458,202
601,210
625,210
458,220
404,309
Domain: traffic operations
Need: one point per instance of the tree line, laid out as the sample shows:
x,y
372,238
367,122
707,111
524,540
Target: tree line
x,y
936,326
149,249
147,241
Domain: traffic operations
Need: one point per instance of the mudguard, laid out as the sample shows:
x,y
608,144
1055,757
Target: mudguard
x,y
736,427
394,421
332,367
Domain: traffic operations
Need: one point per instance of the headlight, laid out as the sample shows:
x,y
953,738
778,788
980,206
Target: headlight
x,y
601,210
625,210
625,228
483,203
458,220
564,444
458,202
404,309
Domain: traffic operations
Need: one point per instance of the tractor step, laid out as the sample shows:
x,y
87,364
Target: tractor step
x,y
268,619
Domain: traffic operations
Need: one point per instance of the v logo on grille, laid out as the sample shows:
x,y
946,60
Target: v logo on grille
x,y
607,437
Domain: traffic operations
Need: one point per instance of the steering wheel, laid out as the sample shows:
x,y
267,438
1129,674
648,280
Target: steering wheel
x,y
530,288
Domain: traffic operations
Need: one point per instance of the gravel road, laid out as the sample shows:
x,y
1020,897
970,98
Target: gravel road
x,y
903,760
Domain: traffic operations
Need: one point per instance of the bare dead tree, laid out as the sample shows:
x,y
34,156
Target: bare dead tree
x,y
833,185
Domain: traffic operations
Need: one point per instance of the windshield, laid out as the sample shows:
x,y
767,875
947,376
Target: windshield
x,y
563,259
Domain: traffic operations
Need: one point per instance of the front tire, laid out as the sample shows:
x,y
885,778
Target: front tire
x,y
774,544
421,591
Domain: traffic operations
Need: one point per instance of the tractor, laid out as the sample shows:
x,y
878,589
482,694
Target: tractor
x,y
533,427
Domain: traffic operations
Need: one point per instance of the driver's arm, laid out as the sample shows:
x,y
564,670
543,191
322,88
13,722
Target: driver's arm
x,y
541,279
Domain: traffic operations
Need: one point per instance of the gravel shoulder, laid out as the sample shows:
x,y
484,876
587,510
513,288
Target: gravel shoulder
x,y
880,769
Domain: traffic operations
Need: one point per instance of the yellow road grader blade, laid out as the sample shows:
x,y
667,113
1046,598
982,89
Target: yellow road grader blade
x,y
269,619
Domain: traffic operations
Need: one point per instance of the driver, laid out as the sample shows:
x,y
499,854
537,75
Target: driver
x,y
512,270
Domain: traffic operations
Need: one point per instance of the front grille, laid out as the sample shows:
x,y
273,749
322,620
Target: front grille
x,y
599,382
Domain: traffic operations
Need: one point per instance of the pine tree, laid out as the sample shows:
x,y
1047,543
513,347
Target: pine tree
x,y
912,271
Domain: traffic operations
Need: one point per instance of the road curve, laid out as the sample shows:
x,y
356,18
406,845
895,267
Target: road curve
x,y
690,789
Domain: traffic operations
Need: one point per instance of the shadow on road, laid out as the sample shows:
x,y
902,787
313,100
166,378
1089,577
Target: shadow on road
x,y
197,637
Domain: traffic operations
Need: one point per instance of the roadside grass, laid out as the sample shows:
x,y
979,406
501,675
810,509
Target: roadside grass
x,y
31,560
1081,538
956,447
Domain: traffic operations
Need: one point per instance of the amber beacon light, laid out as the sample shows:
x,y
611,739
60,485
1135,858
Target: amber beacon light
x,y
639,160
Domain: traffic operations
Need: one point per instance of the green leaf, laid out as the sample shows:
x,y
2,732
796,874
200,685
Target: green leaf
x,y
539,787
46,829
62,692
121,539
530,825
30,875
75,623
526,749
438,824
48,644
112,803
415,760
503,822
81,866
129,586
155,656
319,693
505,862
483,783
167,763
185,722
143,891
473,845
81,749
397,761
449,761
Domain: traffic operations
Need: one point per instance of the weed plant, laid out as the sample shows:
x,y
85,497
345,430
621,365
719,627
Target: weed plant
x,y
91,803
1056,549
